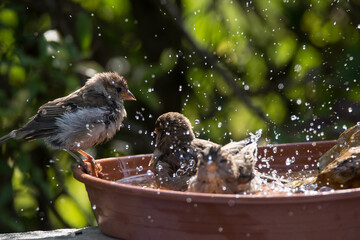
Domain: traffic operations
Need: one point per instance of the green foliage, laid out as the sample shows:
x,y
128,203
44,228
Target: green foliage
x,y
84,31
233,67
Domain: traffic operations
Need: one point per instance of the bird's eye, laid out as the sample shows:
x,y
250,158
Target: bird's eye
x,y
118,89
223,160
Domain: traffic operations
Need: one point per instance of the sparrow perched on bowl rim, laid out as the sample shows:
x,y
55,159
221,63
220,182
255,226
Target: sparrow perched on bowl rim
x,y
177,151
82,119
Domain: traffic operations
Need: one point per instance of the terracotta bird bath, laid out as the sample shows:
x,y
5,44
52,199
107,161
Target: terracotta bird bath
x,y
133,212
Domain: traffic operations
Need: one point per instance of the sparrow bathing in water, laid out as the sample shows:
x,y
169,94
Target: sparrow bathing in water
x,y
84,118
219,171
177,151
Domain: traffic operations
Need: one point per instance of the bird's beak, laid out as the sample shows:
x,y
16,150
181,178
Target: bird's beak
x,y
155,131
128,96
210,167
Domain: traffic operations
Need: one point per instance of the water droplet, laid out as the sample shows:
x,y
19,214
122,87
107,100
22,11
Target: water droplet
x,y
159,167
289,161
94,207
197,121
293,117
325,189
274,149
188,200
297,68
350,109
219,124
220,229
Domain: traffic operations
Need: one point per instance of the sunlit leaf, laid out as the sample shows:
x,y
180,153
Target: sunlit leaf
x,y
6,41
69,211
9,18
17,75
242,121
283,50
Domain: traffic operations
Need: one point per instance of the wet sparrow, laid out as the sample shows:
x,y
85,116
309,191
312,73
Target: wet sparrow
x,y
84,118
177,150
219,171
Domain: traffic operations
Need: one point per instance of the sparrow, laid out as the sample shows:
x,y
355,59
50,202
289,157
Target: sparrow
x,y
347,139
343,172
177,150
341,164
84,118
219,171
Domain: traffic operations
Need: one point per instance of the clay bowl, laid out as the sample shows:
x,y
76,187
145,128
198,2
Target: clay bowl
x,y
132,212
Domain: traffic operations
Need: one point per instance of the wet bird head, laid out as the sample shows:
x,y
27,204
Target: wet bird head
x,y
174,127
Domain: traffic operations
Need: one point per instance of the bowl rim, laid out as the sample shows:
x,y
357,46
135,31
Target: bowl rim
x,y
280,198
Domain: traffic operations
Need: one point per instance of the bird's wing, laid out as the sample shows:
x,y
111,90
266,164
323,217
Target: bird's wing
x,y
165,180
43,124
202,145
248,153
234,148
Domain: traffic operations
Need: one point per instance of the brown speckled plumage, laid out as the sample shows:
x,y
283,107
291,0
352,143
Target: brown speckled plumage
x,y
177,151
84,118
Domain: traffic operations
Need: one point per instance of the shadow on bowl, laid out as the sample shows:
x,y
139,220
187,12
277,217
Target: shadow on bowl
x,y
133,212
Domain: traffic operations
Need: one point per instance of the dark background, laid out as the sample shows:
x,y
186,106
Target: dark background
x,y
290,68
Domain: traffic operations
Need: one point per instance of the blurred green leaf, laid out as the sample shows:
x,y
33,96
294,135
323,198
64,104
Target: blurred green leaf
x,y
70,212
17,75
6,41
9,18
168,59
84,30
283,51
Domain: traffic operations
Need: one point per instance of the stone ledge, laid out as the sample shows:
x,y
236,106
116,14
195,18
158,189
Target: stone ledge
x,y
75,234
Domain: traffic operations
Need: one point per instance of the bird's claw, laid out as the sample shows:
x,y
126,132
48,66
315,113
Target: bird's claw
x,y
96,167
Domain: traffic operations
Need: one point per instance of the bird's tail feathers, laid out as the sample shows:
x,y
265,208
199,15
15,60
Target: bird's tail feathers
x,y
12,134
